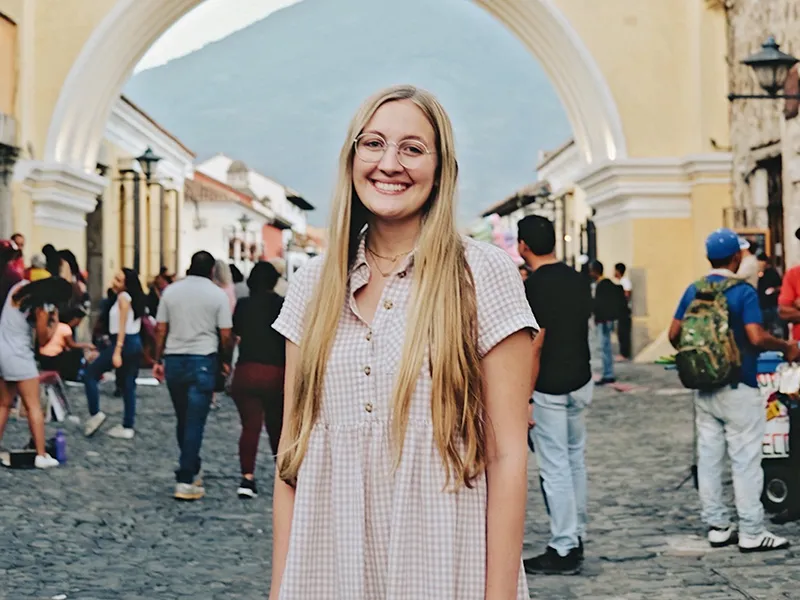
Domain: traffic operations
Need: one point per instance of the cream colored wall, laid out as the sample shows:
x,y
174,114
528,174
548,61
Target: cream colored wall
x,y
13,9
708,204
664,247
8,66
615,244
62,28
664,63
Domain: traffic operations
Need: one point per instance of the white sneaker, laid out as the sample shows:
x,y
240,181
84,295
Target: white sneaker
x,y
188,491
45,462
121,433
94,423
719,538
762,543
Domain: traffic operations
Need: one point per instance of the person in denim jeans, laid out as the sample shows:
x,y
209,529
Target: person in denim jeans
x,y
733,417
561,301
193,322
609,305
123,354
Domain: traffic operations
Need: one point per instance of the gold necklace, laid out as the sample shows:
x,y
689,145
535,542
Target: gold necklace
x,y
393,259
377,266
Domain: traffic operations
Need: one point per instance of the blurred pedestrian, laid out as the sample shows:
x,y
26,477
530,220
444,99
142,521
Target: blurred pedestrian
x,y
29,314
123,354
257,387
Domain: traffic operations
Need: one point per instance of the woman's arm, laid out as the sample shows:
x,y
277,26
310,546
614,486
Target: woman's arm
x,y
45,326
283,494
124,307
70,343
508,384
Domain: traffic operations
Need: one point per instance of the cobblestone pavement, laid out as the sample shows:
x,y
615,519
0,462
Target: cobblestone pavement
x,y
106,527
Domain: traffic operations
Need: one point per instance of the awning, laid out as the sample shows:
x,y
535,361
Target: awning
x,y
296,199
523,197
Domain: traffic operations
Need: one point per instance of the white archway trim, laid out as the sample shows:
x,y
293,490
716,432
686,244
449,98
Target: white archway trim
x,y
651,188
576,77
62,195
98,75
132,26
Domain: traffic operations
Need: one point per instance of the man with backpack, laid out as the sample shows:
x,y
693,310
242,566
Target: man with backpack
x,y
718,333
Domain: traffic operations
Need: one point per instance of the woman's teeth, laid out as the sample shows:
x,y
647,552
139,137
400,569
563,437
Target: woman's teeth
x,y
390,187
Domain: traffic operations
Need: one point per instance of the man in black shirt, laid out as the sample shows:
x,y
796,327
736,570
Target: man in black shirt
x,y
561,300
610,305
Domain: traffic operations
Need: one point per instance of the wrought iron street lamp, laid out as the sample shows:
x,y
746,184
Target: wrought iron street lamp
x,y
771,68
148,160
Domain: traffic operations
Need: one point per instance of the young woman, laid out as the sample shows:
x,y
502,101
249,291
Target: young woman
x,y
224,279
123,354
28,306
409,365
257,387
62,353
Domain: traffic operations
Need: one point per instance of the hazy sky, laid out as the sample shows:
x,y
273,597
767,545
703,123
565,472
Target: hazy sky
x,y
210,21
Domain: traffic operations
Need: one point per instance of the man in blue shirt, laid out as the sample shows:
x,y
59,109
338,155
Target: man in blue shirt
x,y
734,417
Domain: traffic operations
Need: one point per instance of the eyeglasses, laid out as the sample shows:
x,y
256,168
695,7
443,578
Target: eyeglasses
x,y
370,147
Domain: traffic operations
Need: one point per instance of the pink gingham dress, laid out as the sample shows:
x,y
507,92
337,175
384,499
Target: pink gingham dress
x,y
359,531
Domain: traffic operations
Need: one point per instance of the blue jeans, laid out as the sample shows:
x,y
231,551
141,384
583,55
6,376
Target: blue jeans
x,y
131,357
732,420
560,440
190,380
604,329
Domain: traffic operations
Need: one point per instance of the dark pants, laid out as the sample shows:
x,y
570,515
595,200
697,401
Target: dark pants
x,y
131,355
624,335
67,364
257,391
190,380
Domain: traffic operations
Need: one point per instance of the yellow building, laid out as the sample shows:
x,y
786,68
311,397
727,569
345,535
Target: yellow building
x,y
643,83
123,219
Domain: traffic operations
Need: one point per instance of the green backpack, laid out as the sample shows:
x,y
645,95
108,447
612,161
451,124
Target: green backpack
x,y
708,357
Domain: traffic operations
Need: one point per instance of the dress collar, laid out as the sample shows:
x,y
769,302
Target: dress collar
x,y
360,263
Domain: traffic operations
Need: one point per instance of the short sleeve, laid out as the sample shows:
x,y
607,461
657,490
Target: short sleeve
x,y
626,284
788,293
224,318
290,320
686,300
751,309
503,308
162,315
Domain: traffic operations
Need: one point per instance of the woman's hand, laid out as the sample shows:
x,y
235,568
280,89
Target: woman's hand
x,y
116,360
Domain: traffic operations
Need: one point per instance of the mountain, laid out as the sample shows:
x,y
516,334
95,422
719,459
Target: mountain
x,y
280,93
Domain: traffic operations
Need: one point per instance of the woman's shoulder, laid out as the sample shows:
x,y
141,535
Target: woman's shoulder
x,y
308,274
482,256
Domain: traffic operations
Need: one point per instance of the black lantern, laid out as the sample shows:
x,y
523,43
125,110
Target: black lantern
x,y
148,160
771,68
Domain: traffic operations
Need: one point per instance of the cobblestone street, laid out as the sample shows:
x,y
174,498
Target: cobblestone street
x,y
105,526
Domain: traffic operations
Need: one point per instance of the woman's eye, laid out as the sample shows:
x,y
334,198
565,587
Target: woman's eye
x,y
412,149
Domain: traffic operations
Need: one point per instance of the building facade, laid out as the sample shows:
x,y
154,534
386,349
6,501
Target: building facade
x,y
644,93
765,134
226,222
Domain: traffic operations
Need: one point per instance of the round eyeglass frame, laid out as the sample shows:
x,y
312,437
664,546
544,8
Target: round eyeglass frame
x,y
356,139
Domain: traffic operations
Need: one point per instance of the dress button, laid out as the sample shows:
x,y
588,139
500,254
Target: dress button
x,y
367,370
369,335
401,274
368,407
388,305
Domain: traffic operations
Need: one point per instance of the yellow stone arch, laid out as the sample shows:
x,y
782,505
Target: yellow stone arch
x,y
644,86
119,41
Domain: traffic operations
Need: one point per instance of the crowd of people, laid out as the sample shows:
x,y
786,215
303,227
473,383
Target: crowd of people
x,y
400,377
47,301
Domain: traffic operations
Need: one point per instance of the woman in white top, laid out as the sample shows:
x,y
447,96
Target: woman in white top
x,y
123,354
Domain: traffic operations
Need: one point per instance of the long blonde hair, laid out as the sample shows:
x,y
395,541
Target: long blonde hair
x,y
442,317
